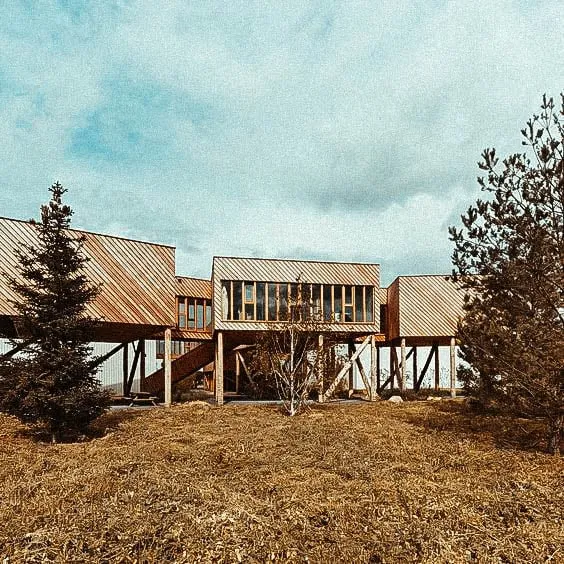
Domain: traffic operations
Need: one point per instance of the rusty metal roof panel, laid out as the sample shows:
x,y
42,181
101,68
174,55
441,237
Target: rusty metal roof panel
x,y
277,270
429,306
138,282
193,287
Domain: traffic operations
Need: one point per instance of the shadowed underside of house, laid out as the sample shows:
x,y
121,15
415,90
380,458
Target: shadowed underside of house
x,y
213,320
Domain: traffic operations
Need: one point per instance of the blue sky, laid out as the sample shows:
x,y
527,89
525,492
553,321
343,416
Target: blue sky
x,y
320,130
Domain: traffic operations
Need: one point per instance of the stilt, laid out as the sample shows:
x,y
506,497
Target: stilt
x,y
415,377
320,367
167,368
452,367
374,377
378,371
125,368
237,372
403,366
392,377
219,369
437,369
351,372
142,365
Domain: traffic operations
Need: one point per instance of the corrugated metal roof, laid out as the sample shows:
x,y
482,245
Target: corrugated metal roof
x,y
424,306
193,287
277,270
138,282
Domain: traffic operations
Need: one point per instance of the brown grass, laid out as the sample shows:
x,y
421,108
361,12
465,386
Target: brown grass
x,y
417,482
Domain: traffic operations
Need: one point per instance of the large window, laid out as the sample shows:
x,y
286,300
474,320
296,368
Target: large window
x,y
194,314
273,301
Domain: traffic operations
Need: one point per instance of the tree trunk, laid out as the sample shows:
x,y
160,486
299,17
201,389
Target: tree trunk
x,y
555,432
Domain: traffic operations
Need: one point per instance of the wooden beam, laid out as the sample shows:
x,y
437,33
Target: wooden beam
x,y
345,369
143,366
351,370
365,380
414,377
320,363
437,369
133,368
378,371
374,369
125,367
402,366
432,351
452,367
167,368
219,369
237,371
19,347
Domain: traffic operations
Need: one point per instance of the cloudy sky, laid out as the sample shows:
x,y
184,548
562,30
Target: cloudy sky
x,y
320,130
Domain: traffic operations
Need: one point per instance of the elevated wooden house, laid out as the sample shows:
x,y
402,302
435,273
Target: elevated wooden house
x,y
203,323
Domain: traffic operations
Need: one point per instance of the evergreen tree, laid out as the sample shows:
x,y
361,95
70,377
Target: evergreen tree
x,y
52,384
509,254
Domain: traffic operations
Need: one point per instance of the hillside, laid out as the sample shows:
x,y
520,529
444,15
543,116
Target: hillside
x,y
419,482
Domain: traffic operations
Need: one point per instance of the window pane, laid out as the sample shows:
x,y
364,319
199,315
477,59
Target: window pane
x,y
348,314
327,311
208,315
237,301
249,292
249,312
283,302
182,321
272,302
358,305
191,315
316,300
225,299
369,304
338,299
200,315
181,305
348,295
260,301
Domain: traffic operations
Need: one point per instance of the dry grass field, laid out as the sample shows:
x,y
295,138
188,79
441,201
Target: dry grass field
x,y
417,482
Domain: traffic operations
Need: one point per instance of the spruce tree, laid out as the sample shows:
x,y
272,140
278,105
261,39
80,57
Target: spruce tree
x,y
52,385
509,255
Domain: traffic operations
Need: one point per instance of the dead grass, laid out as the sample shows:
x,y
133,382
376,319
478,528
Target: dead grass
x,y
416,482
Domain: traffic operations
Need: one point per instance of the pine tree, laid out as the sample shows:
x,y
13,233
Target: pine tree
x,y
52,385
509,254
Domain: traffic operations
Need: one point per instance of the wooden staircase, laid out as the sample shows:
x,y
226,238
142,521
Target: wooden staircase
x,y
182,367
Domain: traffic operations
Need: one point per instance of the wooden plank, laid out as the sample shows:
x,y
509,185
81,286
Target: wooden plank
x,y
437,370
452,367
219,369
432,351
345,369
167,368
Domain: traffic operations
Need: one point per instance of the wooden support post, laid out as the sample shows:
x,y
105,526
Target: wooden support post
x,y
402,366
167,368
414,349
133,367
320,367
392,377
425,367
219,369
378,371
452,367
237,372
142,367
351,371
125,368
437,369
374,372
345,369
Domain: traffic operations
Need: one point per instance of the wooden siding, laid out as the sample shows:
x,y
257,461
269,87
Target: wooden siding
x,y
424,306
138,282
193,287
277,270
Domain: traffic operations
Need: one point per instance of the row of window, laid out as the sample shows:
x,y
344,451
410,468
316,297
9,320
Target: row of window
x,y
193,313
271,301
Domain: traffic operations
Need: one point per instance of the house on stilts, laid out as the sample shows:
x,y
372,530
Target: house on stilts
x,y
157,328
